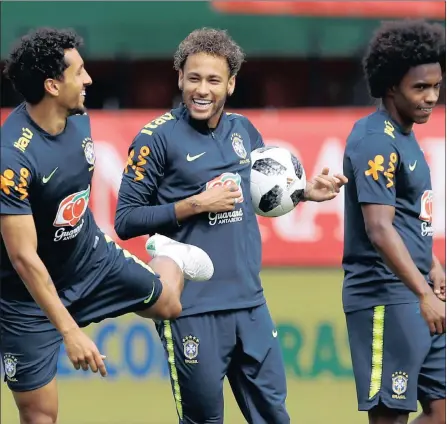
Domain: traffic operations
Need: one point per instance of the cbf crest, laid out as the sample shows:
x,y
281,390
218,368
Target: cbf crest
x,y
238,145
191,349
89,151
400,383
10,364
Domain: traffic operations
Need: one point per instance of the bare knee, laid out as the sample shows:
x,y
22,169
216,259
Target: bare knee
x,y
434,412
168,305
167,308
38,406
30,415
37,412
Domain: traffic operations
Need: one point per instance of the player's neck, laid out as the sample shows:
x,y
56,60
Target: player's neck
x,y
213,122
48,116
389,107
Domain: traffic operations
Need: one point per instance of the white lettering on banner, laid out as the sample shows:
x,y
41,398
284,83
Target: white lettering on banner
x,y
434,149
300,224
286,145
108,173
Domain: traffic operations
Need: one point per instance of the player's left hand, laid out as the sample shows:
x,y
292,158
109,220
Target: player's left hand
x,y
324,186
437,276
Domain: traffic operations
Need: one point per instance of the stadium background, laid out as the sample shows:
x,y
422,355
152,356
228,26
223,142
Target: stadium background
x,y
302,87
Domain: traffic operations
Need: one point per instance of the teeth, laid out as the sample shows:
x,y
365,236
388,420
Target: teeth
x,y
202,102
83,93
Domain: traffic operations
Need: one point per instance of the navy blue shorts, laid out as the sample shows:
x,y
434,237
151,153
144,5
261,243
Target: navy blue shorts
x,y
396,361
30,344
242,345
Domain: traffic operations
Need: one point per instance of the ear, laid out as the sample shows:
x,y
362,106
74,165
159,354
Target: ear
x,y
231,85
391,92
52,86
180,80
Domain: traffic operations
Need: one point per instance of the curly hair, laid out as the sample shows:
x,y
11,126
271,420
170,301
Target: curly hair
x,y
37,56
214,42
398,46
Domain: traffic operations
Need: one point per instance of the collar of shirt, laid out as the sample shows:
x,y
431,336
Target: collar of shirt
x,y
202,126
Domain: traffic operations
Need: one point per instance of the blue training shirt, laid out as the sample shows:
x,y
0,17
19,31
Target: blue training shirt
x,y
50,177
385,166
175,157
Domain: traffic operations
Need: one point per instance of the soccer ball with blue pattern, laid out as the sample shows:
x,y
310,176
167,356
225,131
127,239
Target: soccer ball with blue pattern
x,y
277,181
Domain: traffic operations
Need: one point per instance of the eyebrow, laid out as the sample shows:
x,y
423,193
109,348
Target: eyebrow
x,y
196,74
423,82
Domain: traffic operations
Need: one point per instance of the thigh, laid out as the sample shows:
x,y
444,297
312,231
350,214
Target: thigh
x,y
431,383
40,405
388,346
29,346
198,350
256,375
125,284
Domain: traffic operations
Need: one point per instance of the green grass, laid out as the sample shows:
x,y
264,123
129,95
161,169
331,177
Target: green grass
x,y
306,306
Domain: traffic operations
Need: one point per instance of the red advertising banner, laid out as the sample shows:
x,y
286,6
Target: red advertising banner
x,y
350,9
310,235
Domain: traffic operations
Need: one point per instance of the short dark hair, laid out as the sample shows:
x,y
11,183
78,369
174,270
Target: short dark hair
x,y
214,42
398,46
37,56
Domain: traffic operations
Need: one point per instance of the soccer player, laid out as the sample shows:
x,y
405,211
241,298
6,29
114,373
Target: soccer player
x,y
59,272
188,177
394,285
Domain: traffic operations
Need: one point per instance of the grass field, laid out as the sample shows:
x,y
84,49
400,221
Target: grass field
x,y
306,306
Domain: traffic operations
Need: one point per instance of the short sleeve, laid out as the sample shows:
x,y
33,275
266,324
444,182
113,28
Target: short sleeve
x,y
255,136
375,161
16,175
258,142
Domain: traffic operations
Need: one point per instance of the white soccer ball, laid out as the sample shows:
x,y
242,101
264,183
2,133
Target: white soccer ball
x,y
277,181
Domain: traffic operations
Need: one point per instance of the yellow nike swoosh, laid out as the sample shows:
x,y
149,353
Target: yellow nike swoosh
x,y
46,179
150,296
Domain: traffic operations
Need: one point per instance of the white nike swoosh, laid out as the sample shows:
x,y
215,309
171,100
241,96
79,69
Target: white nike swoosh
x,y
46,179
412,167
191,158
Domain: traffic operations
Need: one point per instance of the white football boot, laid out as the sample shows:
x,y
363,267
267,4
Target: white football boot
x,y
194,262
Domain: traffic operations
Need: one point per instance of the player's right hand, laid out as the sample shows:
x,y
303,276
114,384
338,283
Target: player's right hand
x,y
219,198
433,311
83,353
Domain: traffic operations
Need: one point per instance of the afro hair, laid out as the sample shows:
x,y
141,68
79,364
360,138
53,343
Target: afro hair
x,y
38,56
398,46
213,42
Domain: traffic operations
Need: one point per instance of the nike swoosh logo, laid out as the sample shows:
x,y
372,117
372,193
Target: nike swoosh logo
x,y
274,333
413,167
46,179
150,296
191,158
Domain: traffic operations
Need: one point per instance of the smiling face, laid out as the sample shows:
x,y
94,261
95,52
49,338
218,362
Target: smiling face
x,y
69,92
416,95
205,83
